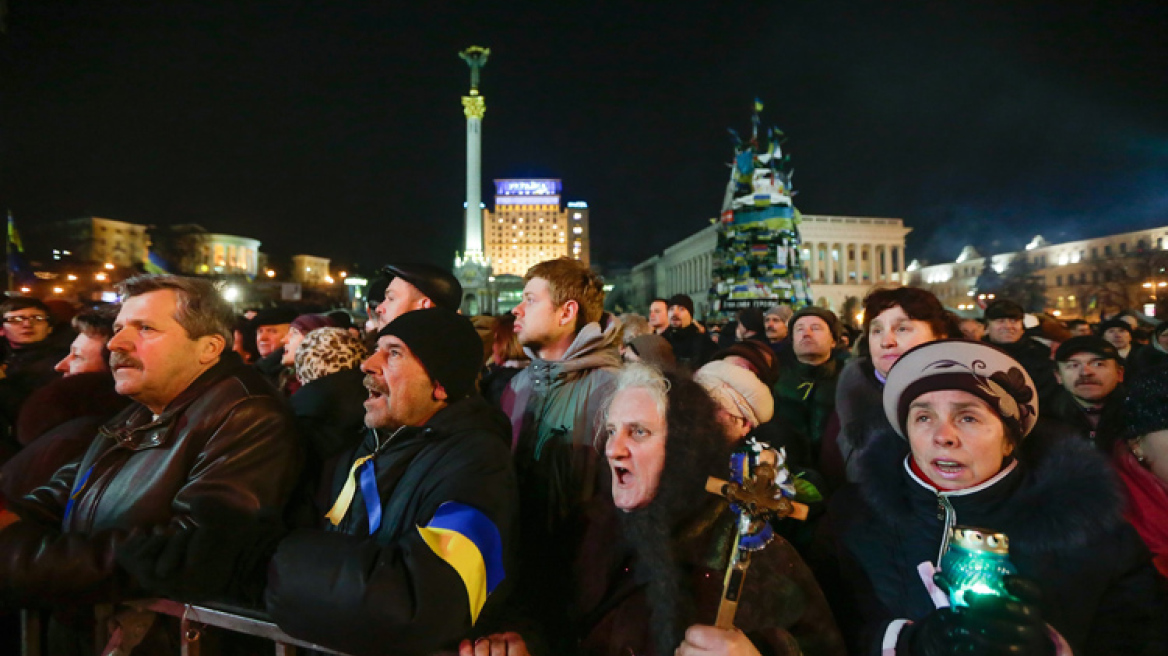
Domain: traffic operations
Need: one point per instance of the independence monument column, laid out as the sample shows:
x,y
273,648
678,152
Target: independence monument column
x,y
472,268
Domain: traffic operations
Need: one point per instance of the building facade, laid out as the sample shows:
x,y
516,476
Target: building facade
x,y
311,270
529,225
1082,279
93,240
845,256
225,254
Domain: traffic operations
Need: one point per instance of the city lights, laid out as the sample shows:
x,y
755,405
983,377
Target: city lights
x,y
231,294
70,277
58,290
270,273
100,277
109,266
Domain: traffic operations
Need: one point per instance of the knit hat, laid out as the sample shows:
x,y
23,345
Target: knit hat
x,y
737,390
1086,344
274,317
1146,405
833,323
327,351
438,284
751,319
1114,323
782,311
307,323
1004,308
682,300
767,369
975,367
654,349
445,343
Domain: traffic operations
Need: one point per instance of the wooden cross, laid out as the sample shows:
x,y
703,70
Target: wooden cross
x,y
759,500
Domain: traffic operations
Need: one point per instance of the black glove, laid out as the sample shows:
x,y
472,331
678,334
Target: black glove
x,y
225,556
1008,624
937,634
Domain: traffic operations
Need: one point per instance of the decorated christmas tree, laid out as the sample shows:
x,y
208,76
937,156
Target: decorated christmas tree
x,y
758,259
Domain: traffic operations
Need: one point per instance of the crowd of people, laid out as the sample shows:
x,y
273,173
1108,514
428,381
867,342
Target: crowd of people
x,y
536,482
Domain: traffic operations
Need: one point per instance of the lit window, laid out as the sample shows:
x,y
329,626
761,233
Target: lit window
x,y
577,230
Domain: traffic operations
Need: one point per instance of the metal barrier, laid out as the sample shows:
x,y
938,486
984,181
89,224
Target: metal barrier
x,y
193,619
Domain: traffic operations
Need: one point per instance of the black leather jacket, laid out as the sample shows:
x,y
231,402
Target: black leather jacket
x,y
227,441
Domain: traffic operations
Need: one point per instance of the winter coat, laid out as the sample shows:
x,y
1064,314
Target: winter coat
x,y
1060,507
1145,359
555,409
859,402
56,427
805,399
27,369
781,609
691,346
364,594
1112,425
227,441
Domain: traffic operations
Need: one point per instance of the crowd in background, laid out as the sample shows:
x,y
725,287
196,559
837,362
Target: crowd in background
x,y
416,481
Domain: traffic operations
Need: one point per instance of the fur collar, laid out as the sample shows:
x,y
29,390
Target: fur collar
x,y
1062,495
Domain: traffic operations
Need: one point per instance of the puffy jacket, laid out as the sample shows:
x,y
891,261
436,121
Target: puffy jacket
x,y
227,441
365,594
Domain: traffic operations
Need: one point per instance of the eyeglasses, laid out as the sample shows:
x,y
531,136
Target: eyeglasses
x,y
20,321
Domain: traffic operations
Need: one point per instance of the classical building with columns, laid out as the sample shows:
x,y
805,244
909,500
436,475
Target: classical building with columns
x,y
844,255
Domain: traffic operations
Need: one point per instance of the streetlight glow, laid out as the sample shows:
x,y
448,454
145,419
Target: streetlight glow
x,y
109,265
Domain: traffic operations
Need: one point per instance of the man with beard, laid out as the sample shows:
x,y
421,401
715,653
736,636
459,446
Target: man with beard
x,y
650,569
1004,330
419,539
205,436
1090,371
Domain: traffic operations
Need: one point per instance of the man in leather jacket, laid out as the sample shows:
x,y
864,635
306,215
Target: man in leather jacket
x,y
206,436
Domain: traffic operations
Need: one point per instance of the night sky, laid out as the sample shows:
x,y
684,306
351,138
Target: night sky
x,y
336,128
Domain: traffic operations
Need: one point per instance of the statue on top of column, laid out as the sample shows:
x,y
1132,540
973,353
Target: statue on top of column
x,y
476,58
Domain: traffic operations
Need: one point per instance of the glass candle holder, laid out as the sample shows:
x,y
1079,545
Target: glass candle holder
x,y
977,560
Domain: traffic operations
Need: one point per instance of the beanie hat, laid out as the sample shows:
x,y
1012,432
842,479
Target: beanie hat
x,y
307,323
1003,309
445,343
737,390
274,317
682,300
833,323
782,311
1114,323
767,369
974,367
654,349
327,351
1146,405
751,319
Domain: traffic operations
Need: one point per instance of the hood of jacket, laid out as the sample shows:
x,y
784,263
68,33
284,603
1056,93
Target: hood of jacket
x,y
596,346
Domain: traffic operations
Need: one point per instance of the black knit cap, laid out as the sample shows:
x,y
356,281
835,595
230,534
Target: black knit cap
x,y
751,319
1003,308
682,300
1114,323
438,284
1086,344
274,317
832,321
445,343
1146,407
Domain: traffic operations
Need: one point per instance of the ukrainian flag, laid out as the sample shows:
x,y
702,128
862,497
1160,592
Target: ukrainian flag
x,y
470,543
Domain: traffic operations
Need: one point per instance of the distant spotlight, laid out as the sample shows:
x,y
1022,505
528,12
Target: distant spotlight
x,y
100,277
58,290
1147,285
109,265
329,279
271,274
25,290
344,275
231,294
1057,313
70,277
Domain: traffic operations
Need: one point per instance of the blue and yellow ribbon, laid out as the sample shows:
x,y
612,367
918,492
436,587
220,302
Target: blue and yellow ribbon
x,y
470,543
345,498
76,493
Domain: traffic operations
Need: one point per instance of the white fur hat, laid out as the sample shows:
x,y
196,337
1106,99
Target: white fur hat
x,y
737,390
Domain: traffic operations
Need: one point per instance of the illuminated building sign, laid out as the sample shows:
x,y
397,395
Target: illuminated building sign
x,y
527,187
577,203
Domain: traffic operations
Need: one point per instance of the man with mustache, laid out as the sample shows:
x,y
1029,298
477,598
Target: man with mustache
x,y
415,552
805,391
1090,371
205,437
1005,329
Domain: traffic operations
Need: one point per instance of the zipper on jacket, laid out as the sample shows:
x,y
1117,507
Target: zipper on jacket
x,y
950,521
